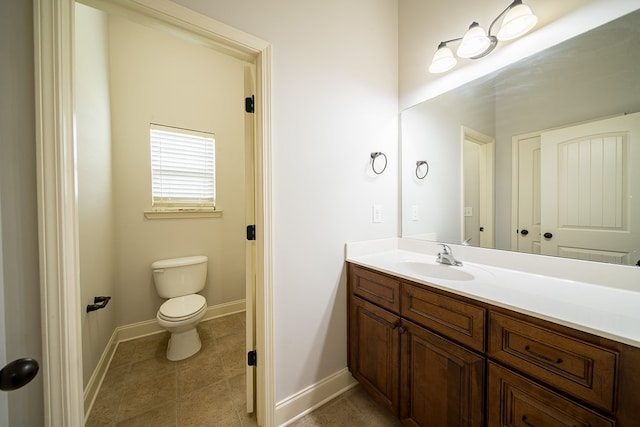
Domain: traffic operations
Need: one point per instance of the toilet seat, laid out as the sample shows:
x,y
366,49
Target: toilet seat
x,y
181,308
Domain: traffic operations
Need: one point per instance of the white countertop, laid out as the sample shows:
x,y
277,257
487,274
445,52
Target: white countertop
x,y
605,311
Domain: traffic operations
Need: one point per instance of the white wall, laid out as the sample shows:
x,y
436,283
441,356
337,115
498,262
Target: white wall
x,y
95,200
424,24
19,211
334,102
157,78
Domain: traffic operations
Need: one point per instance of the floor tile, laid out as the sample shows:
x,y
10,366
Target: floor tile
x,y
207,406
164,416
142,396
143,388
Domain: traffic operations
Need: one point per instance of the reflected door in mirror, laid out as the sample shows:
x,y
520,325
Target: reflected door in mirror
x,y
589,196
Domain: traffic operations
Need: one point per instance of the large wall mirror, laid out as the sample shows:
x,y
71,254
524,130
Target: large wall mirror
x,y
542,156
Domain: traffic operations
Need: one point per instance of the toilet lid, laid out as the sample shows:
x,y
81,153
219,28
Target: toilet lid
x,y
180,307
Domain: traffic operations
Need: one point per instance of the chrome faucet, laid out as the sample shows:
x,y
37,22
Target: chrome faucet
x,y
446,256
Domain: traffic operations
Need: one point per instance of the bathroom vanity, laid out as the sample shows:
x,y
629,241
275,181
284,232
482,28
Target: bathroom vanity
x,y
478,345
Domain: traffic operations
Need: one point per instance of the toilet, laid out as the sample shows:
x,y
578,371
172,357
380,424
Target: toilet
x,y
178,280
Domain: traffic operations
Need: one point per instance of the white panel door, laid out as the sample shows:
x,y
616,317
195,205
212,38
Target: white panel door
x,y
529,195
590,200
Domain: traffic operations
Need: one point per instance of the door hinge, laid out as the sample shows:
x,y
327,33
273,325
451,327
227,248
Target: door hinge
x,y
249,104
252,358
251,232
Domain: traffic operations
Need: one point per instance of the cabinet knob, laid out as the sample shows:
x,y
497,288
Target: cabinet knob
x,y
547,235
402,330
524,232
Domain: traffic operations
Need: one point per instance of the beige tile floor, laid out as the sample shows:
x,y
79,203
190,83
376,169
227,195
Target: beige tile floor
x,y
143,388
350,409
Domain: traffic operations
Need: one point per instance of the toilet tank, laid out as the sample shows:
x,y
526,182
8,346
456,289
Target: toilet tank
x,y
180,276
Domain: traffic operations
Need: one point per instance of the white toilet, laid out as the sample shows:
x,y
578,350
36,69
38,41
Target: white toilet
x,y
179,279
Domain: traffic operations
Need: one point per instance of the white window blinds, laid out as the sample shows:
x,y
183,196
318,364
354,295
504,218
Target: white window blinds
x,y
182,168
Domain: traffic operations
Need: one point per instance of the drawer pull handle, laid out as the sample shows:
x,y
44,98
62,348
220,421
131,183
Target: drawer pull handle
x,y
524,420
542,356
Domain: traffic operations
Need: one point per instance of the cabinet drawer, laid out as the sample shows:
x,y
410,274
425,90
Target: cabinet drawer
x,y
455,319
516,401
581,369
376,288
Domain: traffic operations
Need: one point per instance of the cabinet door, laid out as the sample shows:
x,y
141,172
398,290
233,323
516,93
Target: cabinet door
x,y
515,401
374,344
442,383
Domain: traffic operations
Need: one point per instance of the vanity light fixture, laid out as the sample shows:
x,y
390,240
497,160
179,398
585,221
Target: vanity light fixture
x,y
518,19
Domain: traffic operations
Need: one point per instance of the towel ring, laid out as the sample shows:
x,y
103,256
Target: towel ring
x,y
421,163
374,156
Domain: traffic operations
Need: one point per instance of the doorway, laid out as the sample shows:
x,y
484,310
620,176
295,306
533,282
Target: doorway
x,y
478,157
130,79
56,193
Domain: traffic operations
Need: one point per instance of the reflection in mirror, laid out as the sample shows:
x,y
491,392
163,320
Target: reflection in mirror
x,y
587,79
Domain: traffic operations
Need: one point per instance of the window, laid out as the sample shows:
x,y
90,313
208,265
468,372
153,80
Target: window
x,y
182,169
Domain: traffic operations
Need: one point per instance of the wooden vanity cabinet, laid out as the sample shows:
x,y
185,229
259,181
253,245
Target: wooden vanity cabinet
x,y
423,378
438,359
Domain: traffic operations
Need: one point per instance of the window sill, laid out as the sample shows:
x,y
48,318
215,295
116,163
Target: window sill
x,y
182,214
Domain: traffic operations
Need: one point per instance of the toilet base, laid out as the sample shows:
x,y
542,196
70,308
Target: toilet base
x,y
183,344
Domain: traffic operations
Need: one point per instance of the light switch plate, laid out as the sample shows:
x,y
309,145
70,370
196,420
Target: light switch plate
x,y
468,211
414,213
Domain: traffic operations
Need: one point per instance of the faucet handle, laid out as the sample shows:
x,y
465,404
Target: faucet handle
x,y
445,248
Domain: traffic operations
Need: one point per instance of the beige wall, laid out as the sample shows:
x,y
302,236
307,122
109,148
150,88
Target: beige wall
x,y
156,78
95,200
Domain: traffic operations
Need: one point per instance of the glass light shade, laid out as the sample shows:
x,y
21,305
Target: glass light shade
x,y
443,60
474,42
518,21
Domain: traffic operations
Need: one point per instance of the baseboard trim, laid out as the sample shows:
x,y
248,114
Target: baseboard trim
x,y
95,382
312,397
150,327
139,330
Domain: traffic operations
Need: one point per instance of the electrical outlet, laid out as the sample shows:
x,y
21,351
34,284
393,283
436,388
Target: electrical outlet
x,y
468,211
377,213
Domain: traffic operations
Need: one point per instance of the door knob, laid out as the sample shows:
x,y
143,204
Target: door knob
x,y
547,235
524,232
18,373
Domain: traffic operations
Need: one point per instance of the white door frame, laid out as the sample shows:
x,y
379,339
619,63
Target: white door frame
x,y
57,195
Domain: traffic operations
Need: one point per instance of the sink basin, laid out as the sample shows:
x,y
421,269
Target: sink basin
x,y
437,271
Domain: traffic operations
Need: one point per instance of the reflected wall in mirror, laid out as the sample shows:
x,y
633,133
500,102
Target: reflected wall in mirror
x,y
591,77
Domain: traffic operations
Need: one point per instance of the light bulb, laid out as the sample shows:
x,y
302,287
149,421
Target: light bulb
x,y
518,21
474,43
443,60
